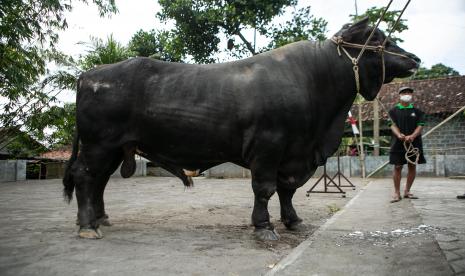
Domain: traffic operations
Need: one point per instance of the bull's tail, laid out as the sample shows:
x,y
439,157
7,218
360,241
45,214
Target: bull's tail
x,y
68,181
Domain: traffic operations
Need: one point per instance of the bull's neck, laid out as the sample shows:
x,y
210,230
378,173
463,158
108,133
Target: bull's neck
x,y
331,80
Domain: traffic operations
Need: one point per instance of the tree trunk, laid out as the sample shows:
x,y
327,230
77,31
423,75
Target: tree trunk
x,y
362,151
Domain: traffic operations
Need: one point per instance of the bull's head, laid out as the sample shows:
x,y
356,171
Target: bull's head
x,y
398,63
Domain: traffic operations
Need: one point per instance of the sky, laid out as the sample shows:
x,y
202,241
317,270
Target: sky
x,y
436,31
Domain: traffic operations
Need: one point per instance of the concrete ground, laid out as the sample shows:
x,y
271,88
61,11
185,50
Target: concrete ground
x,y
372,236
159,229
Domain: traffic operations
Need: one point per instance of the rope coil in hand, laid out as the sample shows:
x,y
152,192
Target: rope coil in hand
x,y
411,152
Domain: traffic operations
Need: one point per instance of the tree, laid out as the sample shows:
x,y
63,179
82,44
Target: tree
x,y
55,126
19,144
200,25
156,44
302,26
436,71
59,121
389,20
103,52
28,35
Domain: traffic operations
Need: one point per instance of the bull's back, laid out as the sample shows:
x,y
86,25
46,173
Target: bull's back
x,y
170,108
177,108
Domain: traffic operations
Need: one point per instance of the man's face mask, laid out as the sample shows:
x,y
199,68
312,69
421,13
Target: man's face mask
x,y
406,98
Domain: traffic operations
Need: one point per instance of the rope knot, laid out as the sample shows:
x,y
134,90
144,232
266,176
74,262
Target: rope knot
x,y
411,152
379,48
338,40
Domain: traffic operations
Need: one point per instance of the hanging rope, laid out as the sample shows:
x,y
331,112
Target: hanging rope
x,y
373,31
411,152
341,44
395,24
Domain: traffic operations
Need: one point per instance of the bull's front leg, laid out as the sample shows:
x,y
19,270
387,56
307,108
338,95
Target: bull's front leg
x,y
288,214
264,186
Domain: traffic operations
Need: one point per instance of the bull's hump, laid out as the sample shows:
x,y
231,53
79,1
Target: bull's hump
x,y
281,52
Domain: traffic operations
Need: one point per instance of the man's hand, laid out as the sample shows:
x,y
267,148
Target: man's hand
x,y
409,138
402,137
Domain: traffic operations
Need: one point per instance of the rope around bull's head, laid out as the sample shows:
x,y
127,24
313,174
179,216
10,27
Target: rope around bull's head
x,y
339,41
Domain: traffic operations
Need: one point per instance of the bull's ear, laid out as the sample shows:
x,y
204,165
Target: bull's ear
x,y
356,28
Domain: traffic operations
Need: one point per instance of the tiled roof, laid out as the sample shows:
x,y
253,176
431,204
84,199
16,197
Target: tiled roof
x,y
433,96
60,154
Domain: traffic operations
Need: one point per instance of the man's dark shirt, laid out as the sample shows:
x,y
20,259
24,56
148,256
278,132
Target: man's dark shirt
x,y
407,119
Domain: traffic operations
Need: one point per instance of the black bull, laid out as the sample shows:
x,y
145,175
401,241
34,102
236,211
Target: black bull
x,y
280,113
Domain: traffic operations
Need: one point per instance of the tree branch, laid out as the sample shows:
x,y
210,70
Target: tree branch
x,y
247,43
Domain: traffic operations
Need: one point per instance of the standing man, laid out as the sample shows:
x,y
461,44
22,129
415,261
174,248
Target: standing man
x,y
406,124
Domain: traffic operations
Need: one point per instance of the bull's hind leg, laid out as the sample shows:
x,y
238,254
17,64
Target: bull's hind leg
x,y
114,161
100,214
91,172
100,183
288,214
99,205
85,195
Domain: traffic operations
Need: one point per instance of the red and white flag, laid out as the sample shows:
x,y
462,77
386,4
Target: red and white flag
x,y
353,123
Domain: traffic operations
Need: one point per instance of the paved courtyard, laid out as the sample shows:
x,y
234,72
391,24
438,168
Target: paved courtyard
x,y
372,236
159,229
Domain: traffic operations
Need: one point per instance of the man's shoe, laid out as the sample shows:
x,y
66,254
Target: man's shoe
x,y
461,196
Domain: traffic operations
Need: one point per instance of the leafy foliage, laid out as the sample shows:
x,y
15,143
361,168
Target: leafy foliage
x,y
302,26
200,25
436,71
58,122
103,52
19,144
156,44
55,125
28,36
389,20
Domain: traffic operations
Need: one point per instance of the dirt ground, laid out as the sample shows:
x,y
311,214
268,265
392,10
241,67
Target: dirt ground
x,y
158,228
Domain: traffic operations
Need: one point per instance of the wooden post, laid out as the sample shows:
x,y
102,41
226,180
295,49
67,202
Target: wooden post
x,y
362,151
376,128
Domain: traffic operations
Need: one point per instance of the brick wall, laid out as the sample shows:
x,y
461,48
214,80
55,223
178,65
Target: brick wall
x,y
448,139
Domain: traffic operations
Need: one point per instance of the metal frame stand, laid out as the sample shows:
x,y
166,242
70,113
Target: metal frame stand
x,y
339,174
329,181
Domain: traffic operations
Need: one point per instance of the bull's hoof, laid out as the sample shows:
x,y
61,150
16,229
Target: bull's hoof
x,y
264,234
90,233
105,221
295,225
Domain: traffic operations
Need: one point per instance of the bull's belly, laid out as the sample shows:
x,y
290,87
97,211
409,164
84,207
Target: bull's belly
x,y
295,171
188,154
